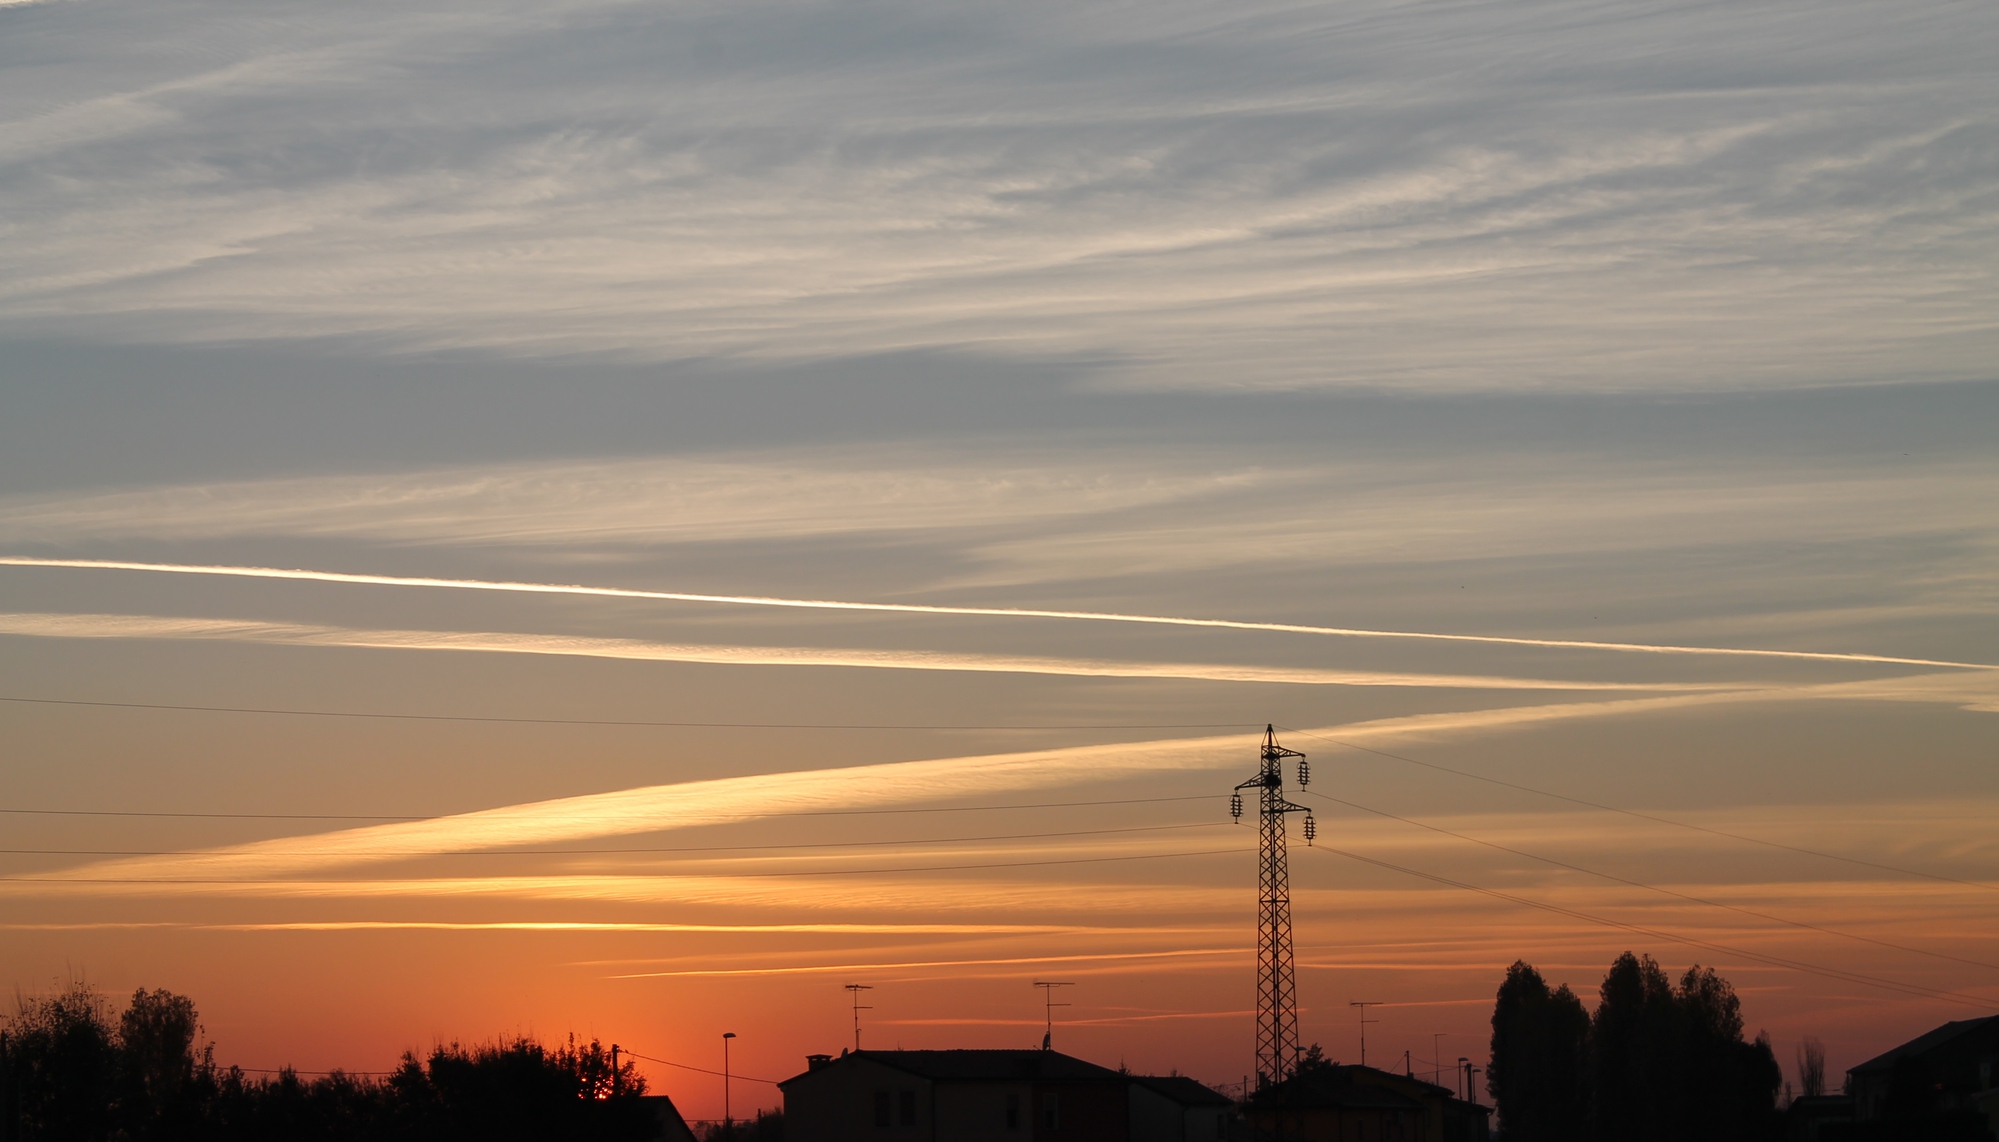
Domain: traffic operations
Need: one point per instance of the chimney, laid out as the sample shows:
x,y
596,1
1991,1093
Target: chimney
x,y
814,1062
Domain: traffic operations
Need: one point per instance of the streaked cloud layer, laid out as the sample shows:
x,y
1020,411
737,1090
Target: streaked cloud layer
x,y
854,444
499,642
1494,195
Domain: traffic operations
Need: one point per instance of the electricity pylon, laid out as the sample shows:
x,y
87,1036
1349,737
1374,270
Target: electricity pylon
x,y
1276,979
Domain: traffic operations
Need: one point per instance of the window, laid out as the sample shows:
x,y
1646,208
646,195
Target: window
x,y
908,1101
1051,1112
1013,1112
881,1109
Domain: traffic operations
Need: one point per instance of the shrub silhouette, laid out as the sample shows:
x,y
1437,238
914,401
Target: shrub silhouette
x,y
75,1074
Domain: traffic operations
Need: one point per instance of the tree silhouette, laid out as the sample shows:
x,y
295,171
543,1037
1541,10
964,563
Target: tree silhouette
x,y
63,1065
75,1074
1311,1061
1540,1041
1811,1067
1655,1063
1632,1037
161,1073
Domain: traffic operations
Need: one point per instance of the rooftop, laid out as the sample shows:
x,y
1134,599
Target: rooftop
x,y
1943,1037
983,1066
1183,1090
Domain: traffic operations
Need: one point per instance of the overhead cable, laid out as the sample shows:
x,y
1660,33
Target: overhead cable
x,y
1649,887
1839,974
1649,817
703,1070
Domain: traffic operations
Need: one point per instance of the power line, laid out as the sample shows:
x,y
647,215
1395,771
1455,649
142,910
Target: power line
x,y
606,852
703,1070
1839,974
606,721
735,875
1650,817
441,816
1652,887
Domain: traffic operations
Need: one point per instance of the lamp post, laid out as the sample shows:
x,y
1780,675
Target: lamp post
x,y
727,1121
1463,1076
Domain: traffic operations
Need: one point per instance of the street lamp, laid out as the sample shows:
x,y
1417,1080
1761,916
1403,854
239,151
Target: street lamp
x,y
727,1122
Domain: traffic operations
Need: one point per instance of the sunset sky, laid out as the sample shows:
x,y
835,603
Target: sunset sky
x,y
1496,373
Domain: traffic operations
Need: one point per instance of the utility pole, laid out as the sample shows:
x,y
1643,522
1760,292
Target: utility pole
x,y
1048,1006
727,1120
614,1069
1408,1066
1437,1058
857,989
1464,1075
1364,1004
1276,978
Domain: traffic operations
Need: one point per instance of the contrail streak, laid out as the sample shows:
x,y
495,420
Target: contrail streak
x,y
818,968
230,630
931,609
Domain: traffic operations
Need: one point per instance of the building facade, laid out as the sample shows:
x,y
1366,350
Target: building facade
x,y
1948,1071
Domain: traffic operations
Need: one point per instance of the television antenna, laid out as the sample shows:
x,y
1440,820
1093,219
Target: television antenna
x,y
857,989
1048,1006
1364,1004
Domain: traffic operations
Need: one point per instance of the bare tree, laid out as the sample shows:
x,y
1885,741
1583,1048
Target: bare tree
x,y
1811,1066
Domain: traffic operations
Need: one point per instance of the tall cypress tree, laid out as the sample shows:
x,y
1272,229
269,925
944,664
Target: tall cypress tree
x,y
1536,1076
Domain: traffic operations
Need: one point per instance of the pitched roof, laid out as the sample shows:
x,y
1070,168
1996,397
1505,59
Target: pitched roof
x,y
982,1066
1183,1090
1925,1043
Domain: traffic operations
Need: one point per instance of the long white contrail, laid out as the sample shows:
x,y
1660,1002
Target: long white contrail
x,y
931,609
502,642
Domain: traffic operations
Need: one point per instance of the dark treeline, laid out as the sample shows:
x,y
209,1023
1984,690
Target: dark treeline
x,y
75,1071
1654,1063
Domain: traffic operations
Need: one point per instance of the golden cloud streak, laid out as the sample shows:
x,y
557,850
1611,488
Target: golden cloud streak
x,y
733,799
813,969
501,642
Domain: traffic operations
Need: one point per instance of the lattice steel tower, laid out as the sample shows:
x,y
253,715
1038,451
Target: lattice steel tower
x,y
1276,982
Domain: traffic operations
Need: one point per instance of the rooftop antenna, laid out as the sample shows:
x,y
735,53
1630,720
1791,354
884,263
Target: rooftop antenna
x,y
1048,1006
1364,1004
1276,978
857,989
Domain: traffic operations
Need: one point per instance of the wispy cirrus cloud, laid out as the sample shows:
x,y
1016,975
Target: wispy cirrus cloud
x,y
1000,514
1497,195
